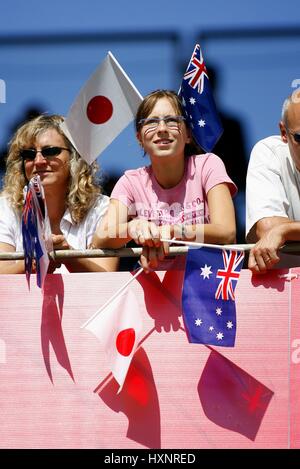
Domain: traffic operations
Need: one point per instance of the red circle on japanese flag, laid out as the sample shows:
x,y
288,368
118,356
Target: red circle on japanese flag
x,y
125,341
99,109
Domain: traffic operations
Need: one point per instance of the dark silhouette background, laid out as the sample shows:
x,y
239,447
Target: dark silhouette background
x,y
231,148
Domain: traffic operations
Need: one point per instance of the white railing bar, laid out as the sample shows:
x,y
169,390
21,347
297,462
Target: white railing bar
x,y
293,248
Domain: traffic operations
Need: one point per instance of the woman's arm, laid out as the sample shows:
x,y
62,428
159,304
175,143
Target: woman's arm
x,y
83,264
73,265
10,267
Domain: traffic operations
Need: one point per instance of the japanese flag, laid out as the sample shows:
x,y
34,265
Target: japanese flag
x,y
118,326
106,104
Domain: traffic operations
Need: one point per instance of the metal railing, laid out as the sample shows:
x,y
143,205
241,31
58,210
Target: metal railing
x,y
292,248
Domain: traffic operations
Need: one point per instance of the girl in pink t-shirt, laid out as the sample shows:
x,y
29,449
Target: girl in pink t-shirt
x,y
181,195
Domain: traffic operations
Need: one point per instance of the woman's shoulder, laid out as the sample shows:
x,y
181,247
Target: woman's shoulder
x,y
101,201
5,202
97,210
7,211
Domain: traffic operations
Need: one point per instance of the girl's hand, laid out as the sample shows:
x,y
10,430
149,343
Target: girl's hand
x,y
144,232
150,257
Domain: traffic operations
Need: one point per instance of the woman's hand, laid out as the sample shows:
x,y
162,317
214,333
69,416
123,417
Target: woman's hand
x,y
59,242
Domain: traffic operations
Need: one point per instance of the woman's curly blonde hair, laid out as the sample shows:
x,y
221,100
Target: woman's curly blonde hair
x,y
83,188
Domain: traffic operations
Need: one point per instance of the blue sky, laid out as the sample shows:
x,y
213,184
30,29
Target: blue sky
x,y
35,16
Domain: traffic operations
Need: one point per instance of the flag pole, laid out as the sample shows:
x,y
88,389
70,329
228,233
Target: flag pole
x,y
122,71
228,247
113,297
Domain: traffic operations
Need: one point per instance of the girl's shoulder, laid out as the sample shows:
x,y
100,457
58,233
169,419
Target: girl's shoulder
x,y
204,161
202,158
137,172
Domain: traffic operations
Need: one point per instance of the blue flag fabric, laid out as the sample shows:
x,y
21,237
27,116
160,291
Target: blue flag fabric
x,y
35,231
198,102
208,302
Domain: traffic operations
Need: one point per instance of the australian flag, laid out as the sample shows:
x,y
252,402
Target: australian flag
x,y
208,301
198,103
35,231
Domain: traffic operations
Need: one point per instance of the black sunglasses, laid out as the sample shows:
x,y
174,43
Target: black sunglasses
x,y
47,152
295,135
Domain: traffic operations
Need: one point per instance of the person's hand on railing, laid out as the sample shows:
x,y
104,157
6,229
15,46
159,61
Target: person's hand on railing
x,y
264,255
144,232
149,235
59,243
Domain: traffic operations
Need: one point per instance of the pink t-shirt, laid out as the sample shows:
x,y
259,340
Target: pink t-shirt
x,y
185,203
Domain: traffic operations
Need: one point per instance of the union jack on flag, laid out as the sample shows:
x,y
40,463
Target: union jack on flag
x,y
27,209
208,304
198,103
231,260
195,76
39,196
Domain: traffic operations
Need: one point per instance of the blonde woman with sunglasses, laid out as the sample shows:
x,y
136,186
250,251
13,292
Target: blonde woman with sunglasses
x,y
74,201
